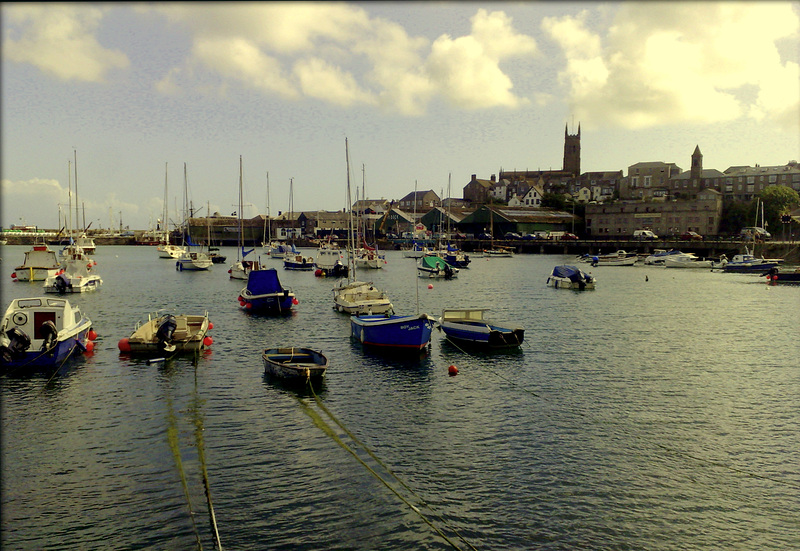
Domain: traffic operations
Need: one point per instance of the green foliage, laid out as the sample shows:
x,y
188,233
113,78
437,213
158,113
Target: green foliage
x,y
554,201
777,200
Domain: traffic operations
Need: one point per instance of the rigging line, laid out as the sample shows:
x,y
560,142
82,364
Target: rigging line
x,y
674,451
320,422
172,438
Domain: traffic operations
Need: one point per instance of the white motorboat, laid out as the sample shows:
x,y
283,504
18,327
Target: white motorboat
x,y
43,332
660,256
77,274
689,260
570,277
329,261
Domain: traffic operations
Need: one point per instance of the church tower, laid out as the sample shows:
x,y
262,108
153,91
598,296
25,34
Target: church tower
x,y
696,171
572,152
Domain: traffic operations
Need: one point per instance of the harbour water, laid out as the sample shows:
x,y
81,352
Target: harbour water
x,y
658,412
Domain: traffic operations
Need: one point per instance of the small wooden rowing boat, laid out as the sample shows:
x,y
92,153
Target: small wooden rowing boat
x,y
294,363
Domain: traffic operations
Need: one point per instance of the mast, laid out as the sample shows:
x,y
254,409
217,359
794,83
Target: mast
x,y
241,227
75,166
350,259
267,235
165,214
69,193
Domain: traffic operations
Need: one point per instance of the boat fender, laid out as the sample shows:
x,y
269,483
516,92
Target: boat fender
x,y
208,341
49,336
18,343
452,370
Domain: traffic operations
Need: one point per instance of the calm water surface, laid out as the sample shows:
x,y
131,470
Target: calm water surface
x,y
657,412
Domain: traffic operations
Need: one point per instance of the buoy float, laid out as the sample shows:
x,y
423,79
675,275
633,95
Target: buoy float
x,y
248,305
14,275
208,341
430,285
295,301
318,272
91,335
124,345
89,347
210,326
452,370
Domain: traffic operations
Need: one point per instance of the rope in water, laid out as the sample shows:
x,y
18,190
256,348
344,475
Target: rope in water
x,y
172,438
674,451
325,427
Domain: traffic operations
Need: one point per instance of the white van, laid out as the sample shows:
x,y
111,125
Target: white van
x,y
644,234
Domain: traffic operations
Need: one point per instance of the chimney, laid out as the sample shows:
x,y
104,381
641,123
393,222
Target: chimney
x,y
474,177
493,178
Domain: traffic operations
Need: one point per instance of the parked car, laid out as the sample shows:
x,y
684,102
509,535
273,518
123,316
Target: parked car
x,y
512,235
569,236
529,236
644,234
485,236
758,234
691,236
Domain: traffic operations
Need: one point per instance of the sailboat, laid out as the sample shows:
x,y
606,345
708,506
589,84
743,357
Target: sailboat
x,y
242,267
190,259
451,253
367,256
294,259
77,269
496,252
165,248
270,247
351,296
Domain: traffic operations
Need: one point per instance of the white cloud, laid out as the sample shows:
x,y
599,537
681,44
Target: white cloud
x,y
672,63
59,40
338,54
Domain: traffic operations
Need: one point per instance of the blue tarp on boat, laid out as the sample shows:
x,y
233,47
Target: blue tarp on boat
x,y
262,282
570,272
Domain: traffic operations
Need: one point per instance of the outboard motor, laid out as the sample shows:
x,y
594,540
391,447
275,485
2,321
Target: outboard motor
x,y
18,343
49,336
164,333
61,283
448,271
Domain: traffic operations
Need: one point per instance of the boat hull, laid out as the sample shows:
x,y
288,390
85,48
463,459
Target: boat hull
x,y
402,332
189,336
360,297
29,317
296,364
566,283
470,327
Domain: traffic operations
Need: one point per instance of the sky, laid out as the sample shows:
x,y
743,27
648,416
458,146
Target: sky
x,y
425,93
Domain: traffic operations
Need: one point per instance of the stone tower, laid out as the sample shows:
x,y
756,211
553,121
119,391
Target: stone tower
x,y
572,152
696,171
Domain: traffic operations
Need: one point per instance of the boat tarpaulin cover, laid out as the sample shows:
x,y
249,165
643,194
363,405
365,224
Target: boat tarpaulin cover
x,y
571,272
262,282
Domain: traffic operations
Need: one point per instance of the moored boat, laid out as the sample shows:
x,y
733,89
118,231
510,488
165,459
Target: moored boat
x,y
470,326
747,263
43,332
775,275
298,364
570,277
168,334
433,266
77,274
40,263
265,294
393,331
329,261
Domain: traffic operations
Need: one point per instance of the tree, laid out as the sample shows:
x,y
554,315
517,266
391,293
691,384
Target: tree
x,y
777,200
554,201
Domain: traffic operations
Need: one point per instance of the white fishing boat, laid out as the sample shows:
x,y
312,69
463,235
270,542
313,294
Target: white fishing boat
x,y
328,262
43,332
570,277
40,263
689,260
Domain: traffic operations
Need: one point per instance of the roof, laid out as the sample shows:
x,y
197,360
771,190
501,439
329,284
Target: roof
x,y
705,173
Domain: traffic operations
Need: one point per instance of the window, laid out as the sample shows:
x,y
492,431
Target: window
x,y
647,181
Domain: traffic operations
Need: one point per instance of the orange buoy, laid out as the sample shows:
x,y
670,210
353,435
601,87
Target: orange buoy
x,y
208,341
124,345
210,326
89,347
430,285
91,335
452,370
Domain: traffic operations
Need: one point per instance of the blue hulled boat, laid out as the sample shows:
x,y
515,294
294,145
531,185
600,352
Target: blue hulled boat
x,y
264,293
392,331
469,326
43,332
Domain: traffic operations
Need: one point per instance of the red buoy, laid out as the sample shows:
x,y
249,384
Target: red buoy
x,y
318,272
452,370
248,305
91,335
124,345
89,347
210,326
208,341
430,285
14,275
295,301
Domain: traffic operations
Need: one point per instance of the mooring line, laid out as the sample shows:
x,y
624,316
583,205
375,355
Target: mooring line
x,y
323,425
172,438
674,451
